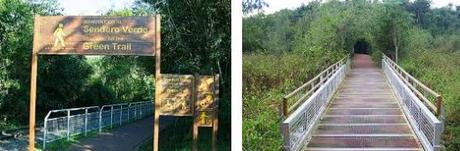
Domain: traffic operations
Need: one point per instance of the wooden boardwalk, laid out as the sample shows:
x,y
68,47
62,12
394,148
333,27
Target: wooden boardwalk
x,y
364,115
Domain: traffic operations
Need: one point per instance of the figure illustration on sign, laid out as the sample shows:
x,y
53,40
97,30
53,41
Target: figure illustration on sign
x,y
206,101
59,36
203,119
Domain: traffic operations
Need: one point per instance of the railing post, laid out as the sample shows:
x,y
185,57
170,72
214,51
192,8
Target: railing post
x,y
438,128
68,124
44,132
111,116
135,111
121,113
100,119
438,105
285,107
86,121
142,108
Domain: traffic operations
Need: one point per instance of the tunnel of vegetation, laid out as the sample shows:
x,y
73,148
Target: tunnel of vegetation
x,y
361,47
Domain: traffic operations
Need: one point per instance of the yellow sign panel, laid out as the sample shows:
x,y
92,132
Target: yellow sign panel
x,y
205,118
206,90
176,94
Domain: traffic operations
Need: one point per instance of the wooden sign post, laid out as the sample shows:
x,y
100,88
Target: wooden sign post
x,y
94,35
206,107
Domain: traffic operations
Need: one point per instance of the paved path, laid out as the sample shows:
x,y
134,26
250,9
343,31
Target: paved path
x,y
125,138
364,115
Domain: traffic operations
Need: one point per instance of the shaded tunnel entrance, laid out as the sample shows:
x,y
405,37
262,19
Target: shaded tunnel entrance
x,y
361,47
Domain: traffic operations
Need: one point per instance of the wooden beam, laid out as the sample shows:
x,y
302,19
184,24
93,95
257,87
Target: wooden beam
x,y
156,126
33,87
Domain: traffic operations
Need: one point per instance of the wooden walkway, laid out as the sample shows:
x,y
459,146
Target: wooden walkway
x,y
364,115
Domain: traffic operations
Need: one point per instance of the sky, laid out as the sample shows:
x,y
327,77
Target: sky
x,y
97,7
92,7
276,5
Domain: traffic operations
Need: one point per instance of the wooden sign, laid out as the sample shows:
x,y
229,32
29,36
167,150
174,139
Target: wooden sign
x,y
206,87
96,35
206,107
205,118
176,94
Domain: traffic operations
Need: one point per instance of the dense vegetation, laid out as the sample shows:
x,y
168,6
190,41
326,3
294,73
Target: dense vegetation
x,y
195,39
283,49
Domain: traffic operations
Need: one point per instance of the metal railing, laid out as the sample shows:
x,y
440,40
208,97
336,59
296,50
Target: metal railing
x,y
416,105
313,99
64,123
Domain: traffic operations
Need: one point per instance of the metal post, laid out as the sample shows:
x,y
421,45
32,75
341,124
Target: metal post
x,y
44,132
86,121
121,113
100,119
129,111
135,111
111,116
68,124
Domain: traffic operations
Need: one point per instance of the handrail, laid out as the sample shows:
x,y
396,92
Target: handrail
x,y
45,124
421,116
297,127
310,87
90,119
413,84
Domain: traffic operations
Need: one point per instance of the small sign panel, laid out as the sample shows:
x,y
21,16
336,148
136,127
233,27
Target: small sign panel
x,y
205,118
176,94
206,87
96,35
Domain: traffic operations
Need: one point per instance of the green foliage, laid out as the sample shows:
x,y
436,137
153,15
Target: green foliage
x,y
439,71
195,39
266,77
427,41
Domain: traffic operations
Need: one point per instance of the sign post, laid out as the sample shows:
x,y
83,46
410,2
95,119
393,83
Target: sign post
x,y
94,35
206,107
156,126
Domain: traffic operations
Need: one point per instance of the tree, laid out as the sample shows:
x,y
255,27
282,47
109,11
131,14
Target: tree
x,y
253,5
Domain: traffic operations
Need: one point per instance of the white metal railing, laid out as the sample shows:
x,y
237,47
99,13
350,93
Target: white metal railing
x,y
423,121
73,121
297,126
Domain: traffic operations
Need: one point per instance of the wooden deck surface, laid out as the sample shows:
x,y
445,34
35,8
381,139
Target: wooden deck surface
x,y
364,115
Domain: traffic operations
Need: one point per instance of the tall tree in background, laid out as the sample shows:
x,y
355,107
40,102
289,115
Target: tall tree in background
x,y
250,6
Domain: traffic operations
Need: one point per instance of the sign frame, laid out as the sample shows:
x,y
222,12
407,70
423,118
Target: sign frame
x,y
213,110
34,66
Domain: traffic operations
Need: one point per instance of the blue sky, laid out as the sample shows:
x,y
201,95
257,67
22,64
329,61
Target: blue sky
x,y
92,7
276,5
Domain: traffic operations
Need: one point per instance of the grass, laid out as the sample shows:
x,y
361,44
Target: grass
x,y
178,137
441,72
266,79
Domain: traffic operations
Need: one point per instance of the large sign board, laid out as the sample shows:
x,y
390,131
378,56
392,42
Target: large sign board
x,y
176,95
96,35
